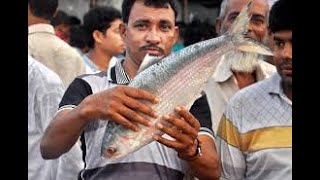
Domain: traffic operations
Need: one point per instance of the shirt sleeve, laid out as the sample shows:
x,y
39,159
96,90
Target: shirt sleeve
x,y
76,92
200,110
229,145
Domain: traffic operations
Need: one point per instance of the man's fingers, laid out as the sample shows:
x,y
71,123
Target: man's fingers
x,y
118,118
136,105
133,116
141,94
182,125
174,132
185,114
171,144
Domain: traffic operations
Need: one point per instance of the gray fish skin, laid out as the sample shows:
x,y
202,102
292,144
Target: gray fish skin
x,y
177,79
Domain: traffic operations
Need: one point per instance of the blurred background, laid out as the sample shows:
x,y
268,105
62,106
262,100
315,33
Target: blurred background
x,y
187,9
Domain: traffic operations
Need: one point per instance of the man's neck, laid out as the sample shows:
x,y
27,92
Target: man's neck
x,y
99,58
36,20
244,78
287,89
130,67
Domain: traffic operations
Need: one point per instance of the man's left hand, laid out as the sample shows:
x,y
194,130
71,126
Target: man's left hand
x,y
184,128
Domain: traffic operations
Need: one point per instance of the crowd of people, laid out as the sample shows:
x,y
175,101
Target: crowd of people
x,y
78,75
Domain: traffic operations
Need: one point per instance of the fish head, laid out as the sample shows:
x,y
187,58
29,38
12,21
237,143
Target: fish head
x,y
121,144
119,148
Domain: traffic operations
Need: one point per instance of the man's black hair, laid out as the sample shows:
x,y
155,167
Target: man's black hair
x,y
281,17
43,8
77,34
60,17
99,18
74,20
127,6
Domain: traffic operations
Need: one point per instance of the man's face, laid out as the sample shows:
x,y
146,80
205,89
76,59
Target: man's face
x,y
112,34
258,24
282,47
149,30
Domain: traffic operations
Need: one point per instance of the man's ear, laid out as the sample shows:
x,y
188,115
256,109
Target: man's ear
x,y
218,25
123,30
97,36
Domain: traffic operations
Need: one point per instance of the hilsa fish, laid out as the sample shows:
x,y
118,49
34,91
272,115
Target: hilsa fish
x,y
178,79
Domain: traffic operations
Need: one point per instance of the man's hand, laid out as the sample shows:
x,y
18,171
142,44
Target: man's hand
x,y
123,105
184,128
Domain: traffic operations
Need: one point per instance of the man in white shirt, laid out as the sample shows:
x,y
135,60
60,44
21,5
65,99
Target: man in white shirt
x,y
45,90
232,73
48,48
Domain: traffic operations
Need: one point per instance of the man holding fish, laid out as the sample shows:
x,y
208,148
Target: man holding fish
x,y
91,101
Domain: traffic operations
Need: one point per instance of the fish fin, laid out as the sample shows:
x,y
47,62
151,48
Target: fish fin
x,y
239,28
148,61
251,45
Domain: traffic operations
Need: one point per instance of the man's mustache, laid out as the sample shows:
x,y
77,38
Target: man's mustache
x,y
151,47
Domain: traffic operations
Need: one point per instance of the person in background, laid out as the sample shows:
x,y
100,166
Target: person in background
x,y
94,99
60,23
101,25
46,47
78,40
255,133
237,70
74,20
45,90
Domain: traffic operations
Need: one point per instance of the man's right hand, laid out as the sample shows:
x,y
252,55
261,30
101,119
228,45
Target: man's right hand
x,y
121,104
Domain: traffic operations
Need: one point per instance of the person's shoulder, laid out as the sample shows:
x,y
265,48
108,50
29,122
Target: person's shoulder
x,y
67,53
98,81
34,66
63,49
39,71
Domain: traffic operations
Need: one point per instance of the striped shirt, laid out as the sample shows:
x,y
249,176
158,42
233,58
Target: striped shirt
x,y
153,161
254,138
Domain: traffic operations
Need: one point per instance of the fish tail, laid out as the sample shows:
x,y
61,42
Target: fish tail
x,y
241,23
239,29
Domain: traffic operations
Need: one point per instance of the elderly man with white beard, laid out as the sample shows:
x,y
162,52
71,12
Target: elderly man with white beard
x,y
237,70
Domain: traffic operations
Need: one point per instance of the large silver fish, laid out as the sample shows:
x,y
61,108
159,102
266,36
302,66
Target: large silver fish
x,y
178,79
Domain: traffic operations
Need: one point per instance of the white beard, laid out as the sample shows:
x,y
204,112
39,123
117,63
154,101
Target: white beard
x,y
241,61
